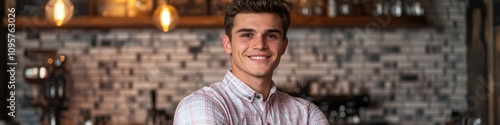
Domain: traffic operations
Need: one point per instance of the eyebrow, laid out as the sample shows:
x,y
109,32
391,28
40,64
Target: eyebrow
x,y
273,31
245,30
252,30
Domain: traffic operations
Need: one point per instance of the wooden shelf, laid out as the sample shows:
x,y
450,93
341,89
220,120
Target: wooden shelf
x,y
91,22
358,21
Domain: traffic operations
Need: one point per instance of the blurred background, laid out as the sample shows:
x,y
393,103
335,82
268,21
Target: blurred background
x,y
362,62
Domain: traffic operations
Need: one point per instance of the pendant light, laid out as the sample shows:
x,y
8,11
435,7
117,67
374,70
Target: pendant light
x,y
165,16
59,12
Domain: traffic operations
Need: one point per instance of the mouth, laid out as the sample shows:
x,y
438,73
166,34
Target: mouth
x,y
258,57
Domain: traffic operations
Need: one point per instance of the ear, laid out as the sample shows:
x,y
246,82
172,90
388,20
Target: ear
x,y
226,42
285,44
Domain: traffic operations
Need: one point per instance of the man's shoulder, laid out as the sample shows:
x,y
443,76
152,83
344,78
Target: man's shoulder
x,y
207,94
286,98
203,106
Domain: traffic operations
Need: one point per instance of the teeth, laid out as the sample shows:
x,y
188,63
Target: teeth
x,y
258,57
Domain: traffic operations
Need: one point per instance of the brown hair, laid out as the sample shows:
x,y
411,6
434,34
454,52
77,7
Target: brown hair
x,y
277,7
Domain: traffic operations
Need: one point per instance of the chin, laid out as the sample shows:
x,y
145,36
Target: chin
x,y
260,73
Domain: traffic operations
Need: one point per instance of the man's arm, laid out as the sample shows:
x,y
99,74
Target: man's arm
x,y
316,117
198,109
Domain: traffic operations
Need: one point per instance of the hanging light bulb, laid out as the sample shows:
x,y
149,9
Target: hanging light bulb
x,y
59,12
165,17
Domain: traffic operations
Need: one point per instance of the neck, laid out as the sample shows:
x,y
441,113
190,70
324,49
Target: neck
x,y
261,85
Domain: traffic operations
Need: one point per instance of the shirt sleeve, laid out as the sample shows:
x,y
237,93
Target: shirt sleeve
x,y
316,117
198,110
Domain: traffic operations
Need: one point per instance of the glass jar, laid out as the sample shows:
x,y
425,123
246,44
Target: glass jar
x,y
418,10
345,8
319,7
377,8
305,8
125,8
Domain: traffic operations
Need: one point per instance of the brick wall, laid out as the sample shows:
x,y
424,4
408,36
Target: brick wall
x,y
113,71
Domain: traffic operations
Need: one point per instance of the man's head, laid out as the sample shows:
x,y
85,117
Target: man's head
x,y
255,36
277,7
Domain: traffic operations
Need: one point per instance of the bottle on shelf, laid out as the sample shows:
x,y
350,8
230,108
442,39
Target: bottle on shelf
x,y
50,83
378,8
55,90
386,7
366,7
331,9
397,8
356,8
61,81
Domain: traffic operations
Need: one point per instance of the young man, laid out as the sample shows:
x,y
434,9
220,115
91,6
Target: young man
x,y
255,40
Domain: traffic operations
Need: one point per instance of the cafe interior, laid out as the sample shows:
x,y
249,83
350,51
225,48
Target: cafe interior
x,y
361,62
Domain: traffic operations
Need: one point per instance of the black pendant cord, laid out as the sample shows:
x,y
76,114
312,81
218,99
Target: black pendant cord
x,y
153,105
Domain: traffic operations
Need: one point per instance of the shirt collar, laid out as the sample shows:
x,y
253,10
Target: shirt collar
x,y
241,89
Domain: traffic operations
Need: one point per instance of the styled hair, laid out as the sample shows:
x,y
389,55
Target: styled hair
x,y
277,7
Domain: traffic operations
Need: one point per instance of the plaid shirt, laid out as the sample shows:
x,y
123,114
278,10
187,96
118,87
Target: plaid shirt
x,y
232,102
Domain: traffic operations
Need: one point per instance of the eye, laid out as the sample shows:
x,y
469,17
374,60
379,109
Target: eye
x,y
246,35
271,36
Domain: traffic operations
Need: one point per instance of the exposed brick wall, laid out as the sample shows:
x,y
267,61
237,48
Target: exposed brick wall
x,y
114,70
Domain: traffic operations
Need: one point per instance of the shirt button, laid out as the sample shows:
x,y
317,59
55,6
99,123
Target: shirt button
x,y
268,123
258,96
249,98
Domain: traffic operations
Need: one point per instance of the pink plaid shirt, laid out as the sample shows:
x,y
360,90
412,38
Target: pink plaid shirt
x,y
232,102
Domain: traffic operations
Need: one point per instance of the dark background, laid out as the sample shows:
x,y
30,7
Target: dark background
x,y
496,19
3,62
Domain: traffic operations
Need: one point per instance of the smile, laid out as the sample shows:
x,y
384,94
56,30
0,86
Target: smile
x,y
258,57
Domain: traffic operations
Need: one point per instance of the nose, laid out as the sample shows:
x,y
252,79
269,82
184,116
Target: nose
x,y
259,44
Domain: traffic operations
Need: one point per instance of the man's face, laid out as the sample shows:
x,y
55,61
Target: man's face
x,y
256,45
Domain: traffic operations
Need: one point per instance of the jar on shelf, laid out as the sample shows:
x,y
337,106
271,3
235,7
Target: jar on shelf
x,y
319,8
125,8
414,8
345,7
305,8
386,7
397,8
377,7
